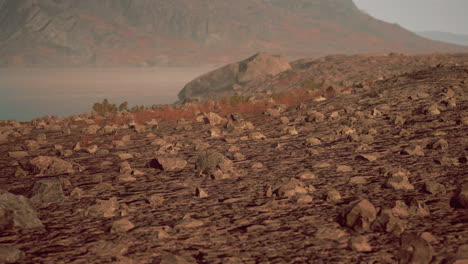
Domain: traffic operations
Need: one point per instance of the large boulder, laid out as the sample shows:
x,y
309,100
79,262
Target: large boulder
x,y
221,82
17,211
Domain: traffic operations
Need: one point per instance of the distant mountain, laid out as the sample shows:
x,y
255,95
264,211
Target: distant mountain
x,y
445,36
182,32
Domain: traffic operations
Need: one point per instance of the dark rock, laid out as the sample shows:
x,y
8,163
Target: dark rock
x,y
47,191
24,214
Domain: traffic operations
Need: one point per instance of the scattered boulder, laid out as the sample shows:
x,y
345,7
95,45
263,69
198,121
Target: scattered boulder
x,y
359,244
398,180
461,198
415,249
103,208
313,141
333,196
32,145
47,191
10,254
434,188
291,188
213,164
155,200
50,166
107,249
214,119
121,226
18,154
414,150
19,209
359,215
388,222
90,130
418,208
257,136
200,193
440,144
168,163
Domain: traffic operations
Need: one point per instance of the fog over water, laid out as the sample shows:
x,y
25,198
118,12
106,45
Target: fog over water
x,y
33,92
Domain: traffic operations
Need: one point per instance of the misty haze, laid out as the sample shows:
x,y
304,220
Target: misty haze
x,y
33,92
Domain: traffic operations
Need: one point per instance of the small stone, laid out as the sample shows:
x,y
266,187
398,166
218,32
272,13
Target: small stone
x,y
92,149
168,163
102,152
239,156
121,226
344,168
125,156
257,165
103,208
399,181
366,157
440,144
291,188
358,180
292,131
359,244
304,198
47,191
400,209
284,120
310,142
77,193
428,237
434,188
333,196
359,215
399,121
125,168
418,208
388,222
462,253
32,145
107,249
257,136
155,200
18,209
461,198
432,110
20,172
307,175
200,193
18,154
413,151
415,249
10,254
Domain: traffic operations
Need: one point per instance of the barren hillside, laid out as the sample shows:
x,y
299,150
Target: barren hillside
x,y
181,32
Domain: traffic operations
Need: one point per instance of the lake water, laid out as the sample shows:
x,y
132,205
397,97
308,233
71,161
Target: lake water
x,y
30,93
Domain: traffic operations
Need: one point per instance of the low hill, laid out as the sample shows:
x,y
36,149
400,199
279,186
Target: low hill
x,y
182,32
448,37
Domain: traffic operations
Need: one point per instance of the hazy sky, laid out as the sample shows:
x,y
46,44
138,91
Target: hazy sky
x,y
420,15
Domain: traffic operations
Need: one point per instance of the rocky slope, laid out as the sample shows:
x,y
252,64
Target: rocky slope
x,y
158,32
375,175
339,71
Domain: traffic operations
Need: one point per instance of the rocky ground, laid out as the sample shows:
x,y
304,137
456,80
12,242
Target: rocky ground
x,y
377,174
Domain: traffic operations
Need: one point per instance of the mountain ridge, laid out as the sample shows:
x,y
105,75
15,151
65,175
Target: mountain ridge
x,y
181,32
